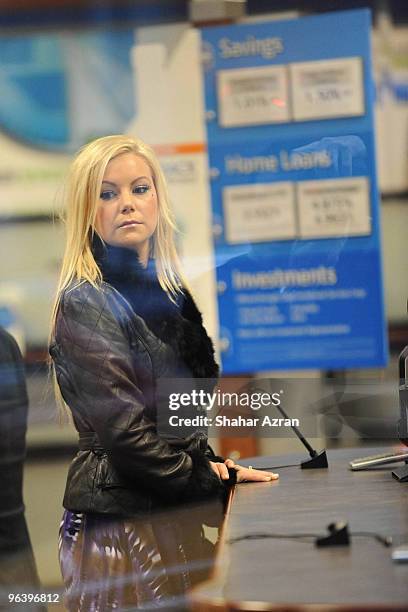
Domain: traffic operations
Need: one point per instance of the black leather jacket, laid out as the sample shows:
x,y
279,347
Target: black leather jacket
x,y
107,362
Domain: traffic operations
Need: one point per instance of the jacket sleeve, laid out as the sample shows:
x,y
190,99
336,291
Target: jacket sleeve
x,y
96,376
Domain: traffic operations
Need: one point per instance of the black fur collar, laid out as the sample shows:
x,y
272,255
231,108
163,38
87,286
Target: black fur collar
x,y
179,325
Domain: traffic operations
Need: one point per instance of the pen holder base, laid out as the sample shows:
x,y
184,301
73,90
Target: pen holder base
x,y
338,536
317,462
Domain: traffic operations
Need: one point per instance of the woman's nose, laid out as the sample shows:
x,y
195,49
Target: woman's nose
x,y
127,205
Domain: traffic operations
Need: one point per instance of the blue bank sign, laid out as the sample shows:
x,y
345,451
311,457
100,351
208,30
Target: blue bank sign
x,y
289,109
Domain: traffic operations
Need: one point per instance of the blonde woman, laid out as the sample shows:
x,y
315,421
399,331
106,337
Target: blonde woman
x,y
123,319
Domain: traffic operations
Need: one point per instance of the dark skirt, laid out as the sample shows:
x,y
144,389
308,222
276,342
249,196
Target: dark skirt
x,y
114,563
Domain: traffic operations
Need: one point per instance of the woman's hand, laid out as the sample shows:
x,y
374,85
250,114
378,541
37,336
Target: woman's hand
x,y
249,474
244,474
221,469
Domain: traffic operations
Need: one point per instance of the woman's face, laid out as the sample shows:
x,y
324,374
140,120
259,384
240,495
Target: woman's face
x,y
127,210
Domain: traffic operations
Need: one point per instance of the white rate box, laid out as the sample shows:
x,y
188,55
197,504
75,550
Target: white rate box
x,y
259,213
327,88
334,207
251,96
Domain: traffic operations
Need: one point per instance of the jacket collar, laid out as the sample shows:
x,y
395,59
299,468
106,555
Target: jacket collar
x,y
177,324
121,263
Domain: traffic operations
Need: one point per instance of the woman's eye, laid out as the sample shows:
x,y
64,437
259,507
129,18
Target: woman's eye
x,y
107,195
140,189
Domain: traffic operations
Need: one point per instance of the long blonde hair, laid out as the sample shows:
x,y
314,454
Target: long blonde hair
x,y
82,192
81,198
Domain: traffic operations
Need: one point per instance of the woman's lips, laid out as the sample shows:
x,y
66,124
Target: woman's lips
x,y
129,224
